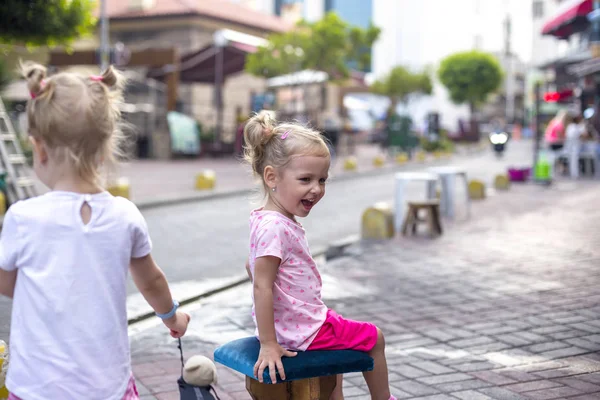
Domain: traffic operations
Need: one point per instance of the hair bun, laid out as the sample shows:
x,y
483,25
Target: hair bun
x,y
34,74
113,78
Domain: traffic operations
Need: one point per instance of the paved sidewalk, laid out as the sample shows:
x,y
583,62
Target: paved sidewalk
x,y
503,306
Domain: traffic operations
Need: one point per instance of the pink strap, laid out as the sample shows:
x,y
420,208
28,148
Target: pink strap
x,y
97,78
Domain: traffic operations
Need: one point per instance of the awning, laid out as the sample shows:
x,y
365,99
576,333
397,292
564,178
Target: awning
x,y
200,66
571,17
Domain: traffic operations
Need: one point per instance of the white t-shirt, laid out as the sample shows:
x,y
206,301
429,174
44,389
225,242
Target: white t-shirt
x,y
574,131
68,337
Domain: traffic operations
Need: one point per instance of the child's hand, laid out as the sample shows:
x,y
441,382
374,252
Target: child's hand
x,y
270,356
177,324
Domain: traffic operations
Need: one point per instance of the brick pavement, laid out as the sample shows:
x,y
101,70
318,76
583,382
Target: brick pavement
x,y
503,306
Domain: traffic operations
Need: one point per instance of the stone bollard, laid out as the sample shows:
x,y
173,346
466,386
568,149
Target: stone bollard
x,y
120,188
378,222
402,158
501,182
476,190
379,161
206,180
350,164
3,369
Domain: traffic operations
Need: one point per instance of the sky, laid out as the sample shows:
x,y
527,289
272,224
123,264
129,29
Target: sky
x,y
455,23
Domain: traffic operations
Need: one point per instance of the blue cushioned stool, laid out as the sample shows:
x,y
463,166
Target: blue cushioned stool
x,y
311,375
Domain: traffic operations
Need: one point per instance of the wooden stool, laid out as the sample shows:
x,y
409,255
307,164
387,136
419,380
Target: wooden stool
x,y
432,209
311,375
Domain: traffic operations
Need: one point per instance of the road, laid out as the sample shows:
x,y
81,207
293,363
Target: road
x,y
201,245
209,239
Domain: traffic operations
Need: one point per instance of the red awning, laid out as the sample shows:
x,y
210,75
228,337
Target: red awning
x,y
571,16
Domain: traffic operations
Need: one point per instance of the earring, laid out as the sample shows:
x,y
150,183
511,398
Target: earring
x,y
274,189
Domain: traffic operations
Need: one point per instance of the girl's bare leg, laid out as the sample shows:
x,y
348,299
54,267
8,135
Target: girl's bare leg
x,y
377,380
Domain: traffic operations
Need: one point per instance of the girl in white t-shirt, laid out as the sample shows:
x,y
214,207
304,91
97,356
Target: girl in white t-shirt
x,y
65,255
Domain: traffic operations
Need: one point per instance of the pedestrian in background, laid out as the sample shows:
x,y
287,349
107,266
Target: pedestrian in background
x,y
65,255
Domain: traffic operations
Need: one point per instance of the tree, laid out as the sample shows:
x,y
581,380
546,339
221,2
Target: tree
x,y
328,45
470,77
4,75
45,22
401,83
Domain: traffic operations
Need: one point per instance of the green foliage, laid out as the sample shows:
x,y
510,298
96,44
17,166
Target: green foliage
x,y
5,75
470,76
400,83
444,144
325,45
45,22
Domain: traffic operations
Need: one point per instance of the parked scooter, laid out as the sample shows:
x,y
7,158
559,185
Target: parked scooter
x,y
498,140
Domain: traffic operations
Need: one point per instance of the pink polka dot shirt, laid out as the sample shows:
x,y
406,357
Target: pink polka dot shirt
x,y
297,306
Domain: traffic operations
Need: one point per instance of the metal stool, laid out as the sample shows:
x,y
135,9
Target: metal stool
x,y
447,177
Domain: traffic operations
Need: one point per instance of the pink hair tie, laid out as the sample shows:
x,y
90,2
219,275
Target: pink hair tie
x,y
42,86
285,135
97,78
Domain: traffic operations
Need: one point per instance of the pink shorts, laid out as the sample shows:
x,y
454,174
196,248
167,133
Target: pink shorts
x,y
131,392
339,333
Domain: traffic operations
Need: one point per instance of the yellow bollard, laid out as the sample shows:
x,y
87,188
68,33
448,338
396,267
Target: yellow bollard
x,y
3,369
501,182
476,190
420,156
437,155
402,158
350,164
379,161
2,203
206,180
378,222
120,188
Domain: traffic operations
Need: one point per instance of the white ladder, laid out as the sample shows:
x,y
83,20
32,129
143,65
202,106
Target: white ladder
x,y
19,185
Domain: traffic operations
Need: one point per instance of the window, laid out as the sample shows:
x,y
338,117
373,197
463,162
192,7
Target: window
x,y
538,8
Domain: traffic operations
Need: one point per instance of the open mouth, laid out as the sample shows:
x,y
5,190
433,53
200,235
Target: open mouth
x,y
308,204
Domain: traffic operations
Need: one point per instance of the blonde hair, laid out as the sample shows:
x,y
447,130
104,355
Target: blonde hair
x,y
270,143
76,116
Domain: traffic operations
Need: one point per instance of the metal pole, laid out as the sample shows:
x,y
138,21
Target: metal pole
x,y
538,125
104,45
510,97
219,93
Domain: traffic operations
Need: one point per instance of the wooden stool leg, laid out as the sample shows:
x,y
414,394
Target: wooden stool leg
x,y
265,391
430,222
415,221
328,384
438,222
407,221
305,389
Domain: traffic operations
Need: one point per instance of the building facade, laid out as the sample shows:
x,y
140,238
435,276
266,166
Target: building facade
x,y
140,24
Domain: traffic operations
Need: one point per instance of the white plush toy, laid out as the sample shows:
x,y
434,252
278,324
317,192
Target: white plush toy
x,y
200,371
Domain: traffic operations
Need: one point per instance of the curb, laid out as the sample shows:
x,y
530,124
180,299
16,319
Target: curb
x,y
335,249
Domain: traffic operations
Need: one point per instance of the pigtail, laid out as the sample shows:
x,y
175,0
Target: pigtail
x,y
113,78
34,74
258,132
